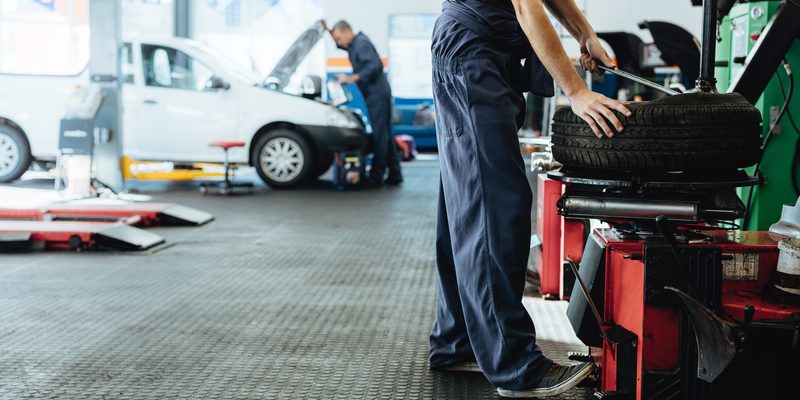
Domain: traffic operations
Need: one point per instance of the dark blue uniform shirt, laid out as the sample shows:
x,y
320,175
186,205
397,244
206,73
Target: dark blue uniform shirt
x,y
368,65
496,20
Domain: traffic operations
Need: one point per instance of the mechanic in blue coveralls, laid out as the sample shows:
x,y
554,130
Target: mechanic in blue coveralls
x,y
486,53
368,75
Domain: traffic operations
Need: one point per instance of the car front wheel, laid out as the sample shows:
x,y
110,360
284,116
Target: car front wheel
x,y
283,159
15,154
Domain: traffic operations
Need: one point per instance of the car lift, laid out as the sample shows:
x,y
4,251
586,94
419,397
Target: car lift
x,y
79,226
149,214
18,236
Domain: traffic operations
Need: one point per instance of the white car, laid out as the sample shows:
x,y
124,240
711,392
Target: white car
x,y
178,96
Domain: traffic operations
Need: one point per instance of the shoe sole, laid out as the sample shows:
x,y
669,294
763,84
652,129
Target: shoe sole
x,y
565,386
460,367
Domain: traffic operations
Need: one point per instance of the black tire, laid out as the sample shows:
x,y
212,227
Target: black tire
x,y
15,154
323,164
677,133
271,176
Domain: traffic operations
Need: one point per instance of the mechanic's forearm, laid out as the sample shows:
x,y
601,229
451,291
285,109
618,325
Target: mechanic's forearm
x,y
547,45
569,15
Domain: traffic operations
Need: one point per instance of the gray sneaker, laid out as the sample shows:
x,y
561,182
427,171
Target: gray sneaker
x,y
466,366
558,379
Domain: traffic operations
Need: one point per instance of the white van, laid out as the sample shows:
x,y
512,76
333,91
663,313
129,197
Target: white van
x,y
178,96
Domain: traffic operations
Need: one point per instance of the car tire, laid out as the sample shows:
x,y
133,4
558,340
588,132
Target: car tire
x,y
283,159
15,154
677,133
324,163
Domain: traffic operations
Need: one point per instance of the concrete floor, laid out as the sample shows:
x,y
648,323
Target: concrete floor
x,y
302,294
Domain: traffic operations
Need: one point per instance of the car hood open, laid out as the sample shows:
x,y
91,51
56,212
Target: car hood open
x,y
297,53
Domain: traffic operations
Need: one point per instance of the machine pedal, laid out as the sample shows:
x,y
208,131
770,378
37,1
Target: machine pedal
x,y
579,356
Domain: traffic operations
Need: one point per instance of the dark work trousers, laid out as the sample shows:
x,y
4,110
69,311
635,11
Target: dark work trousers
x,y
484,217
379,107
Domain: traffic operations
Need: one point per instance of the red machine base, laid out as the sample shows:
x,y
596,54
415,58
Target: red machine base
x,y
659,347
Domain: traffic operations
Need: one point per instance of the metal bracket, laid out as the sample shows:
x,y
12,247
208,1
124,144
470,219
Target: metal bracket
x,y
766,56
715,345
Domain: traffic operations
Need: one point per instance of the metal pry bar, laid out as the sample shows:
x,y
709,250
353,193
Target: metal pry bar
x,y
639,79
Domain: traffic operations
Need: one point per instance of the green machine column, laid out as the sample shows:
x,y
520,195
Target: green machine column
x,y
739,33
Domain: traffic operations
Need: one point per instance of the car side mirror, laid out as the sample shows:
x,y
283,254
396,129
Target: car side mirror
x,y
217,83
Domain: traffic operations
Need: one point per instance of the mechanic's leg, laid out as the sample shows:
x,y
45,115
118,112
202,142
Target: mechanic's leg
x,y
381,120
488,202
449,342
393,158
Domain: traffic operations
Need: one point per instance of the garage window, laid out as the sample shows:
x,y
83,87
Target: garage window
x,y
170,68
44,37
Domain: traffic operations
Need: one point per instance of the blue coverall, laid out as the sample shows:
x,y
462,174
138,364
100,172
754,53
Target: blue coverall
x,y
484,223
378,96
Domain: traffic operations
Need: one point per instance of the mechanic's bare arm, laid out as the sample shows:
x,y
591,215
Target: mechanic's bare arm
x,y
569,15
592,107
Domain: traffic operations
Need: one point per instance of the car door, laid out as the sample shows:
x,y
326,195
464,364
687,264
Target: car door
x,y
179,114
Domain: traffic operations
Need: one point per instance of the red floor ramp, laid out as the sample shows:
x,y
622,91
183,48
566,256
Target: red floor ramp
x,y
150,213
16,236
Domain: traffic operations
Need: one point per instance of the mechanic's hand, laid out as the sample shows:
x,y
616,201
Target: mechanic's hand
x,y
344,78
592,53
596,110
325,24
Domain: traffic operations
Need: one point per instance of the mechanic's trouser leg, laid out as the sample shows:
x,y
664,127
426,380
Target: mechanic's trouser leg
x,y
486,207
385,150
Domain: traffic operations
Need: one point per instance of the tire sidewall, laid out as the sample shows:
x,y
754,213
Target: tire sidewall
x,y
308,158
24,154
679,133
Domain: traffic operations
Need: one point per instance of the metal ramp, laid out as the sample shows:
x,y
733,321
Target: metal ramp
x,y
18,236
149,213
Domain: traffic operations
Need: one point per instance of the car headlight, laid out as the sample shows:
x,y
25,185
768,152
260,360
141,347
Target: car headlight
x,y
337,118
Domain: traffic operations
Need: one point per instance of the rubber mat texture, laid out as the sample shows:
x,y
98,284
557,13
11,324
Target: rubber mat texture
x,y
306,294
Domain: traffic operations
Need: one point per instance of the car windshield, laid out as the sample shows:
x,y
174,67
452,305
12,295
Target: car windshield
x,y
249,76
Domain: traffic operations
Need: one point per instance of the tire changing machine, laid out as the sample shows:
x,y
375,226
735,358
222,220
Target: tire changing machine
x,y
670,305
673,301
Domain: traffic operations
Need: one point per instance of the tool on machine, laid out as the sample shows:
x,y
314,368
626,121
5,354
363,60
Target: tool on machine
x,y
638,79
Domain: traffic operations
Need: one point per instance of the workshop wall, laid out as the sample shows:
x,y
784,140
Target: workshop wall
x,y
372,17
605,15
